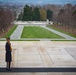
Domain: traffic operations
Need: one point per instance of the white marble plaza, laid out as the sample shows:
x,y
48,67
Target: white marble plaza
x,y
40,54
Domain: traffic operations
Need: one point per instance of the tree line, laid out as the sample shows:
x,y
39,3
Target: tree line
x,y
6,19
35,14
63,17
66,18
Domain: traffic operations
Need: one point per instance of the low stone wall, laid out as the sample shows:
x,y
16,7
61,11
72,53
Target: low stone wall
x,y
38,23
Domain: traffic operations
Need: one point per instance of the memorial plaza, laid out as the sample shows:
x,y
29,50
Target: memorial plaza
x,y
41,54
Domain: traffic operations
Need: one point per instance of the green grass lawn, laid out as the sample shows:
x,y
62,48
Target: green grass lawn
x,y
61,31
8,34
38,32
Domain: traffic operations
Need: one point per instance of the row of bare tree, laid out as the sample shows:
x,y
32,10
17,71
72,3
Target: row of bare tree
x,y
6,19
64,17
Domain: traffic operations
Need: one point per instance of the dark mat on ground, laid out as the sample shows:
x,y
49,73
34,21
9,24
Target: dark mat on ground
x,y
39,70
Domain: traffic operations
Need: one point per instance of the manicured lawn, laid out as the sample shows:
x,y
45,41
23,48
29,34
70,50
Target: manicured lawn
x,y
37,32
62,31
10,31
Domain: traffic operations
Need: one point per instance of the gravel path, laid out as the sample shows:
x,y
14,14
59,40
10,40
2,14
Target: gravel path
x,y
17,33
59,33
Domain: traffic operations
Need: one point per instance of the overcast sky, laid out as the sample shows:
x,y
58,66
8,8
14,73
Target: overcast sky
x,y
41,1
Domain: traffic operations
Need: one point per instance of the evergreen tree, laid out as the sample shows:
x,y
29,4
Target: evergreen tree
x,y
27,14
36,14
49,14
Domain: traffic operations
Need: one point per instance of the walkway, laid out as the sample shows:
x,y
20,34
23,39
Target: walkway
x,y
17,33
59,33
40,54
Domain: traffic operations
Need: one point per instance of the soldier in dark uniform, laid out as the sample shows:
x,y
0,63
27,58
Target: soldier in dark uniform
x,y
8,54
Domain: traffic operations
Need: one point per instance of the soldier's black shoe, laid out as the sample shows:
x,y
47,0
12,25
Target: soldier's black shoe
x,y
10,69
7,68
